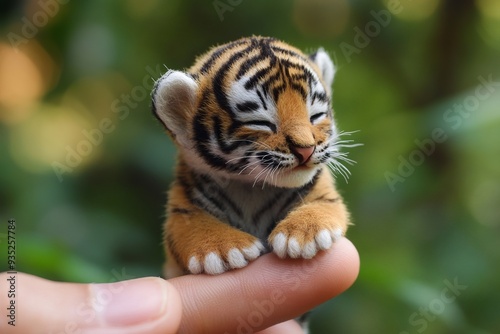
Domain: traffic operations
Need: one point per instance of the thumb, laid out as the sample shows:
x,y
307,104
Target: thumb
x,y
143,306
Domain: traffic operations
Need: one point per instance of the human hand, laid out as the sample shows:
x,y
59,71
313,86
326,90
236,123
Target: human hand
x,y
261,297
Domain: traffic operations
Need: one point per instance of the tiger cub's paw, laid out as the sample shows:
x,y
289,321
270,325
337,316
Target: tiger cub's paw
x,y
225,256
302,241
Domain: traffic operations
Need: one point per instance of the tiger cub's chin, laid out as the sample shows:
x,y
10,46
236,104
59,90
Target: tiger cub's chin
x,y
294,178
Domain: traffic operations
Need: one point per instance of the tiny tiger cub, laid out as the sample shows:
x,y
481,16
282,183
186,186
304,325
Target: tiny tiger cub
x,y
255,133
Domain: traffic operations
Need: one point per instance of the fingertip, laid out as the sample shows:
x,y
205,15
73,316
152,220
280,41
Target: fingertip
x,y
145,305
344,263
173,311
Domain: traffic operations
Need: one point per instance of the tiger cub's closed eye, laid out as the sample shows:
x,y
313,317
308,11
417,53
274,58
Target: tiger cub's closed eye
x,y
261,125
317,116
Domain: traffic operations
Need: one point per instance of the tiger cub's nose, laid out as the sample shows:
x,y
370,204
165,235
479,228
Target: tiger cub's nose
x,y
302,153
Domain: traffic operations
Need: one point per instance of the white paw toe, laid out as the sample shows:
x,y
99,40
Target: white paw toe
x,y
309,250
236,259
324,239
194,265
253,252
279,245
213,264
293,248
337,234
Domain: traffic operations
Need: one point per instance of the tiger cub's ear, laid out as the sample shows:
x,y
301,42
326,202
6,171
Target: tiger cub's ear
x,y
174,102
326,67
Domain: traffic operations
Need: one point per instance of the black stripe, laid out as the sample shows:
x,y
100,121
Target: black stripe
x,y
265,52
181,211
290,64
262,100
247,106
223,145
268,206
281,78
249,64
288,52
277,91
202,135
299,77
214,192
321,96
254,79
202,138
218,81
218,52
294,84
209,196
300,89
306,72
201,205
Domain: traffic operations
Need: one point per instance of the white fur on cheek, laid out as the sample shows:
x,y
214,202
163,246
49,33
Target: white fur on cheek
x,y
238,94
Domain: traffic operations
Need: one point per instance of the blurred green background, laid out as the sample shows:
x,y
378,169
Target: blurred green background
x,y
412,77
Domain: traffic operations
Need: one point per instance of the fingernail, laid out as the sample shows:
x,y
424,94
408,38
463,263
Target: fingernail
x,y
131,302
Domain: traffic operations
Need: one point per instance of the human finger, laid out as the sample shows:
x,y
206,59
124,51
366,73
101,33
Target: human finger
x,y
143,306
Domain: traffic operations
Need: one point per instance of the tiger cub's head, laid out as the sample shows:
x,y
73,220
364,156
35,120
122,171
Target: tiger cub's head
x,y
255,110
